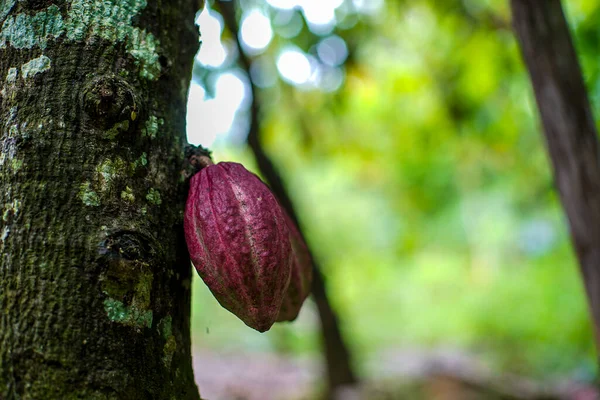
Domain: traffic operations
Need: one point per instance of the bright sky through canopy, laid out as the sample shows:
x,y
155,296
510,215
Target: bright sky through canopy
x,y
208,118
321,70
211,53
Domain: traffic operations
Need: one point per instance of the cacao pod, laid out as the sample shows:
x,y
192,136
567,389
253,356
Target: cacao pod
x,y
300,278
239,242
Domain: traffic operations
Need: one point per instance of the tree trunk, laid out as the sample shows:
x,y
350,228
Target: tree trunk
x,y
569,128
94,273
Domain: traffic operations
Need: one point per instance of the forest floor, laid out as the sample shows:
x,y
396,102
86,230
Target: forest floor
x,y
398,374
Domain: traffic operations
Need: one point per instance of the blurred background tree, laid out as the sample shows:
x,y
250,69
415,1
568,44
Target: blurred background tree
x,y
407,135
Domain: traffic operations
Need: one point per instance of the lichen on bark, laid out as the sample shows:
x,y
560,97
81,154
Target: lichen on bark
x,y
35,66
108,20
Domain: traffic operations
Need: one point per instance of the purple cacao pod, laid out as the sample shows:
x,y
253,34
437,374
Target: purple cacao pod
x,y
300,278
239,242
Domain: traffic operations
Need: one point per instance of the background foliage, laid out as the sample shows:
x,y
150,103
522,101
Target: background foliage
x,y
419,171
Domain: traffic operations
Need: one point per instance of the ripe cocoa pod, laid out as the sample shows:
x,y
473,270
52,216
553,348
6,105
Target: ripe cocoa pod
x,y
301,276
239,242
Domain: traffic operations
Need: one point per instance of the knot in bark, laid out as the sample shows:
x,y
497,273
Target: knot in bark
x,y
110,100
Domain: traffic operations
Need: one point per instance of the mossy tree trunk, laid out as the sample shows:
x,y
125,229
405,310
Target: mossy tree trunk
x,y
94,274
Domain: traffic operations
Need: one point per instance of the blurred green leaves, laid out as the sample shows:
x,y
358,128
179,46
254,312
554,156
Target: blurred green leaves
x,y
424,187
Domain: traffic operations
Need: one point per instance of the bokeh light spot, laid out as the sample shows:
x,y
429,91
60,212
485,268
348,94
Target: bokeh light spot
x,y
255,31
293,66
332,50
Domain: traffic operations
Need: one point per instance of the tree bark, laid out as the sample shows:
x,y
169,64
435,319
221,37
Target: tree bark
x,y
94,272
337,356
569,128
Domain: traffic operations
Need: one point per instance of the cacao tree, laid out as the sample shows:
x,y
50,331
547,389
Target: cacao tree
x,y
94,272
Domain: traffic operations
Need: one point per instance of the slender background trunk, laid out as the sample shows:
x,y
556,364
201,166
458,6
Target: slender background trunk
x,y
337,356
94,273
569,129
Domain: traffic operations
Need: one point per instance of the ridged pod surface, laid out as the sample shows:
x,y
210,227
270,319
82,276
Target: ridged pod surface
x,y
301,276
239,242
